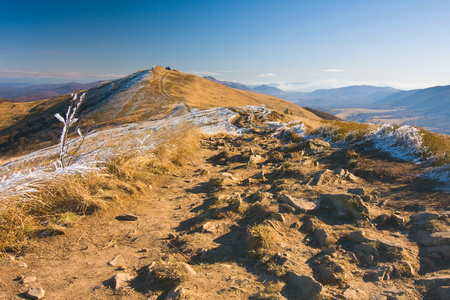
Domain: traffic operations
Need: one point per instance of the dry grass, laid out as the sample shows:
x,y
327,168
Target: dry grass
x,y
437,145
123,178
340,130
260,239
203,93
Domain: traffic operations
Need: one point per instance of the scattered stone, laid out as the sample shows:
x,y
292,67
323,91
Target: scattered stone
x,y
295,225
299,204
260,176
209,227
404,269
277,216
121,279
346,205
340,171
305,287
367,198
22,264
315,144
284,208
127,217
356,237
35,293
351,177
28,280
188,268
330,250
421,219
380,273
116,261
254,159
357,191
176,293
172,236
322,177
434,281
434,239
443,292
321,237
443,251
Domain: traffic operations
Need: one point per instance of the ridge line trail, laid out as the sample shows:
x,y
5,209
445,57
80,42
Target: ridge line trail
x,y
188,108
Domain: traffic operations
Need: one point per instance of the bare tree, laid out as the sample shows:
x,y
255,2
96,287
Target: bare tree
x,y
70,120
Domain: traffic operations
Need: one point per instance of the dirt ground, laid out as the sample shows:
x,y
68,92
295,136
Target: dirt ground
x,y
193,238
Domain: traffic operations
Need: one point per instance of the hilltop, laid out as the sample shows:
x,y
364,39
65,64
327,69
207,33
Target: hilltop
x,y
142,96
186,189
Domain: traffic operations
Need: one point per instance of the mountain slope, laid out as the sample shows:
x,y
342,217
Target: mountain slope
x,y
144,95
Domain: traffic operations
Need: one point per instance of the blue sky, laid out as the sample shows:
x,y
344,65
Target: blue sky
x,y
328,43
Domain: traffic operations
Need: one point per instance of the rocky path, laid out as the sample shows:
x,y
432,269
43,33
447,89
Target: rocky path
x,y
254,217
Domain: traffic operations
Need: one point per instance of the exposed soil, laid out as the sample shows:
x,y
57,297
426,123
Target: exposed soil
x,y
194,231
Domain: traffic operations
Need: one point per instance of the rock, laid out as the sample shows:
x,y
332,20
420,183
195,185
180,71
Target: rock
x,y
321,237
254,159
404,269
35,293
346,205
381,273
396,220
351,177
434,239
443,292
421,219
117,261
434,281
340,172
127,217
171,236
315,144
121,279
22,265
304,287
176,293
367,198
209,227
299,204
444,251
356,237
277,216
357,191
260,176
326,275
366,260
322,177
188,268
28,280
427,265
329,250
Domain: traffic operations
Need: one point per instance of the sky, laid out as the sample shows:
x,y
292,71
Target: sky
x,y
321,43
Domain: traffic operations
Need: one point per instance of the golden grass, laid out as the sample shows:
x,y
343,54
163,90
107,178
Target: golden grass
x,y
203,94
57,203
437,145
340,130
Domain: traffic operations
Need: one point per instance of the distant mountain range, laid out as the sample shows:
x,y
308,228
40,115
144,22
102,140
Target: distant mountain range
x,y
428,108
25,93
322,98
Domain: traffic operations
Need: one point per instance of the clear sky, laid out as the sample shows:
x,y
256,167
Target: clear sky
x,y
328,43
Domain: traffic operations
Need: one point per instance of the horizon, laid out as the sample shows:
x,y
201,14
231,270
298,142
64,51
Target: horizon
x,y
401,44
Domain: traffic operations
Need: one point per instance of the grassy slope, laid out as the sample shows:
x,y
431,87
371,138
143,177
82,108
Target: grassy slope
x,y
30,126
202,93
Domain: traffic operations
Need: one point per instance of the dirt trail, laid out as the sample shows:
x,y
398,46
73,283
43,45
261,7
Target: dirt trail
x,y
194,223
